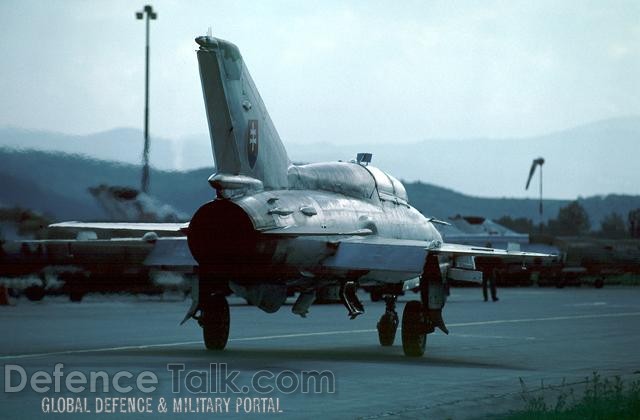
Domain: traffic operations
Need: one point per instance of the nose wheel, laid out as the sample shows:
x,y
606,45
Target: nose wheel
x,y
388,324
214,320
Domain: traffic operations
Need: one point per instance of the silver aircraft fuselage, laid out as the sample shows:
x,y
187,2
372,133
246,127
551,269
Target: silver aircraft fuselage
x,y
255,243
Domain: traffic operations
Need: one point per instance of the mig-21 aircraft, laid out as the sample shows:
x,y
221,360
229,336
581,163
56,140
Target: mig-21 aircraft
x,y
275,228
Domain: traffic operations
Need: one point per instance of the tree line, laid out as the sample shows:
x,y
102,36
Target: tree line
x,y
573,220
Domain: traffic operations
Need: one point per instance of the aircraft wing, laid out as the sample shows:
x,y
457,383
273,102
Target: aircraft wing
x,y
359,251
170,252
478,251
387,254
146,227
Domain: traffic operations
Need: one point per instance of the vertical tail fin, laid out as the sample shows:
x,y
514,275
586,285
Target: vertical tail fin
x,y
244,140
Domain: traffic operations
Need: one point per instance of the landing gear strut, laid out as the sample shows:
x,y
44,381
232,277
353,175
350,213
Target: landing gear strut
x,y
349,297
214,320
388,324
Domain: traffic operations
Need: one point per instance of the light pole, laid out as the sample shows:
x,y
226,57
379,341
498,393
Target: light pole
x,y
147,13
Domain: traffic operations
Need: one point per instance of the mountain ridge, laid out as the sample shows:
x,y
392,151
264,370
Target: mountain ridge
x,y
57,184
590,159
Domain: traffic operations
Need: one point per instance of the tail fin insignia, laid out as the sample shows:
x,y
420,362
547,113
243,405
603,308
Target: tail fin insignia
x,y
252,142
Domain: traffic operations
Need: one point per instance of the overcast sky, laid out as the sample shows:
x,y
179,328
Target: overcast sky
x,y
338,71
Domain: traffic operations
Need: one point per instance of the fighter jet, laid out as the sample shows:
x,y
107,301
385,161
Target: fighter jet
x,y
275,228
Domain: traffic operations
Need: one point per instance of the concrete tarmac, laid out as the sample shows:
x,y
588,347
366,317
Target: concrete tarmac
x,y
534,335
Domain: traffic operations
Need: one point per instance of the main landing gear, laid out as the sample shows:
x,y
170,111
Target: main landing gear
x,y
414,329
422,317
214,320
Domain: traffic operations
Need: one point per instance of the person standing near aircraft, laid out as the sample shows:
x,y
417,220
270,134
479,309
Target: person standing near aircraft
x,y
489,277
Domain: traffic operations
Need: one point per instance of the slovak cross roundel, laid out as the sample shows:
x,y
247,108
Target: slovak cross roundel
x,y
252,142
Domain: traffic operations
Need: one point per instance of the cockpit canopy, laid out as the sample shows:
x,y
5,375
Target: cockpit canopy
x,y
389,188
339,177
350,179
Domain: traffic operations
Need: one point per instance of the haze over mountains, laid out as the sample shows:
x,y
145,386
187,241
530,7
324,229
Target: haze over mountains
x,y
51,172
58,185
593,159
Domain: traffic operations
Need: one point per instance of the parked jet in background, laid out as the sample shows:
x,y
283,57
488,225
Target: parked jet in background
x,y
275,228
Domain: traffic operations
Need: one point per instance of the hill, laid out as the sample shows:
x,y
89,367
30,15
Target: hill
x,y
57,185
442,203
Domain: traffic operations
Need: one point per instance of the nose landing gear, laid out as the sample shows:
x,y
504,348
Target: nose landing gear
x,y
388,324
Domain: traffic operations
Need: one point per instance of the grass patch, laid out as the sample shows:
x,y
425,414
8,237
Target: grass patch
x,y
602,399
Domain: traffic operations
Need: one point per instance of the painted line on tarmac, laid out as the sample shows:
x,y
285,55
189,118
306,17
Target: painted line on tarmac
x,y
310,334
552,318
491,337
96,350
177,344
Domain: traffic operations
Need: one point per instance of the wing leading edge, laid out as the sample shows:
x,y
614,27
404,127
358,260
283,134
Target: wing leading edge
x,y
478,251
145,227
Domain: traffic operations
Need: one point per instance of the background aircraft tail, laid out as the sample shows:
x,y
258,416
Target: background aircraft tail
x,y
244,140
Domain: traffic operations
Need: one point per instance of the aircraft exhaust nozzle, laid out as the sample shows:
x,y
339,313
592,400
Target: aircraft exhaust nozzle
x,y
222,237
243,137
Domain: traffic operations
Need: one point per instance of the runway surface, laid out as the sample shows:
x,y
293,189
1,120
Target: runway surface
x,y
535,334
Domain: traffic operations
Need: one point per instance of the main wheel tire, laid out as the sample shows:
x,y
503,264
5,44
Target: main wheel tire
x,y
387,327
414,334
215,322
